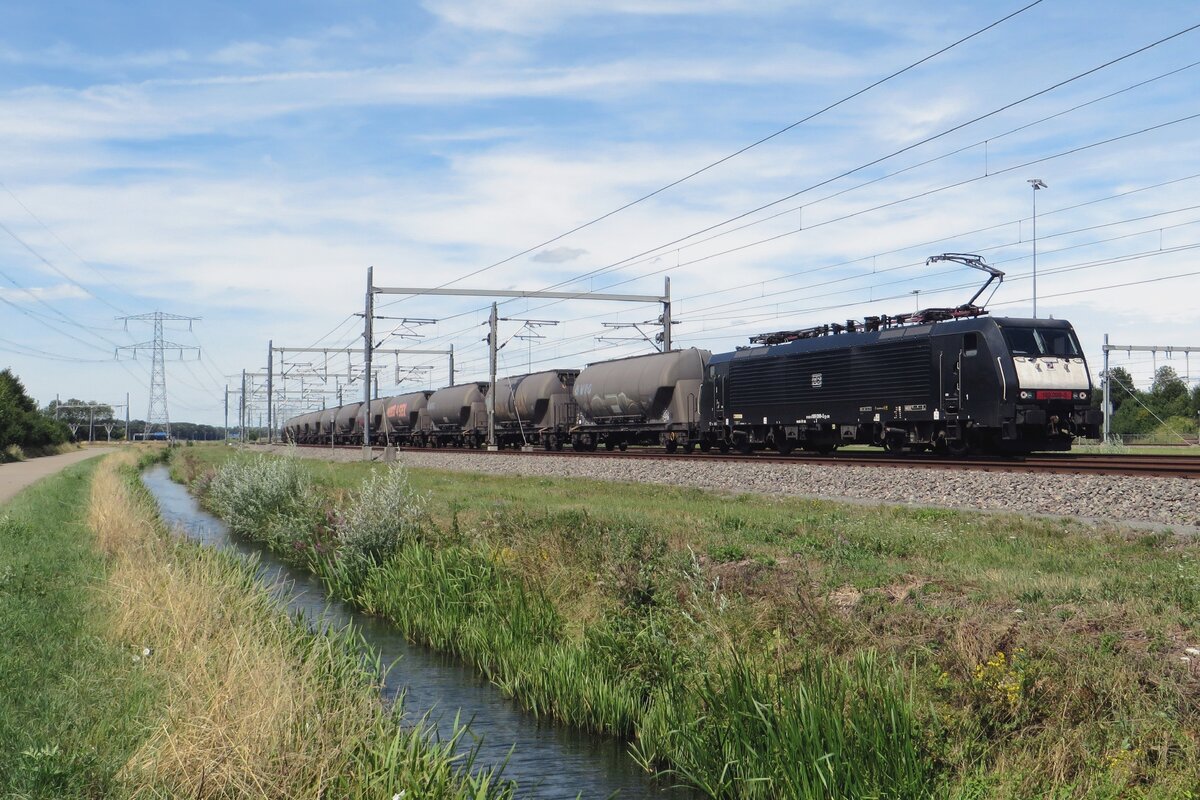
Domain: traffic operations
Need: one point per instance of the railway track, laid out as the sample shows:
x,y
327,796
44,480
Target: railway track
x,y
1150,466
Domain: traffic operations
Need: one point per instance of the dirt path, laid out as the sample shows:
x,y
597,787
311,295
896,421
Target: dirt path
x,y
16,476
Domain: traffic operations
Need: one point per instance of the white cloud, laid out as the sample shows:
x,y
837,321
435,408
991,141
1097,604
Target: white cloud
x,y
63,291
222,103
529,17
558,255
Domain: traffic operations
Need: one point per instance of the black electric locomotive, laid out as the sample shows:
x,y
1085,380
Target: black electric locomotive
x,y
995,384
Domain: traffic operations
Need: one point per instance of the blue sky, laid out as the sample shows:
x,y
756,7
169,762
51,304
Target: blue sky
x,y
245,163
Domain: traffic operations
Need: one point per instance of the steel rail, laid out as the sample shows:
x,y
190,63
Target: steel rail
x,y
1148,466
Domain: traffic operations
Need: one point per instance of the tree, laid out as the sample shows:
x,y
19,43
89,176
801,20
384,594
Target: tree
x,y
1122,386
1167,384
1169,394
21,423
80,414
1134,418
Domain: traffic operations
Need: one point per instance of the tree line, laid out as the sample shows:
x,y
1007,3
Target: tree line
x,y
1168,409
22,424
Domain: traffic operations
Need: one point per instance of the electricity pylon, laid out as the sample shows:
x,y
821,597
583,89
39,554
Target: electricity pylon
x,y
157,415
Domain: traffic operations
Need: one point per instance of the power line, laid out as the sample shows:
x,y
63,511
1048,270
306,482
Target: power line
x,y
905,149
911,167
917,196
626,261
26,350
757,318
910,247
47,262
743,150
974,249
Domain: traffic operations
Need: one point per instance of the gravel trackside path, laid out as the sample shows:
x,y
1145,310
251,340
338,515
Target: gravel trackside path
x,y
1146,501
19,474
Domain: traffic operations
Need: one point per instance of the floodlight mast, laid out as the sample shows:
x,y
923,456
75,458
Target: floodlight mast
x,y
975,262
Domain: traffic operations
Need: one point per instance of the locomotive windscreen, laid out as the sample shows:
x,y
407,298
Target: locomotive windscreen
x,y
1059,342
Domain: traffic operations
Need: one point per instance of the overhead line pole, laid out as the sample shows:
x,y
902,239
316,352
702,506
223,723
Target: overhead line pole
x,y
270,381
1132,348
242,412
665,319
368,346
378,351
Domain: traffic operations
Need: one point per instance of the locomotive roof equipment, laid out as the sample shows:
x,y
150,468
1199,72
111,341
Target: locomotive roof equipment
x,y
967,309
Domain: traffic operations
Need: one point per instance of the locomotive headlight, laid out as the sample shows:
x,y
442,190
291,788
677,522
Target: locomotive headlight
x,y
1026,395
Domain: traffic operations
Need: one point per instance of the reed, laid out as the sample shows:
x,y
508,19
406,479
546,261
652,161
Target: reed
x,y
831,730
253,704
652,668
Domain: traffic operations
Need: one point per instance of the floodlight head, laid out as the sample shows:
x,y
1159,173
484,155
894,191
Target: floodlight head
x,y
1037,183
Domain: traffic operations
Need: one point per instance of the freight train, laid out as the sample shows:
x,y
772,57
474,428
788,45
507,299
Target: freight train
x,y
946,380
535,409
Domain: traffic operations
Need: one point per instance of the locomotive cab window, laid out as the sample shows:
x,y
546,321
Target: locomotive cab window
x,y
1058,342
970,344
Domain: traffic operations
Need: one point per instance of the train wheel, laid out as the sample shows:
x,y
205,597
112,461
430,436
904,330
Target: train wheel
x,y
742,445
670,445
623,446
705,446
894,443
689,447
958,448
610,445
723,447
785,446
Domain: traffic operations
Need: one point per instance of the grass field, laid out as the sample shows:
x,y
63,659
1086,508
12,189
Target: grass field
x,y
1037,657
71,708
137,664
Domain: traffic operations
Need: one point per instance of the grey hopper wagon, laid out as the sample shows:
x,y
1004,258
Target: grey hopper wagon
x,y
538,408
651,399
293,429
406,418
325,428
345,424
458,415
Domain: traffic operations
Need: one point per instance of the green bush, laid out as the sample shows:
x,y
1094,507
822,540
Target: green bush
x,y
383,514
21,424
269,500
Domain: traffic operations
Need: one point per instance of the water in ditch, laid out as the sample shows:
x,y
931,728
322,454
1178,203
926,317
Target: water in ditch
x,y
545,760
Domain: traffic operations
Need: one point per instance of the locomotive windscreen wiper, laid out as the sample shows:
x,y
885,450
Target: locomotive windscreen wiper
x,y
975,262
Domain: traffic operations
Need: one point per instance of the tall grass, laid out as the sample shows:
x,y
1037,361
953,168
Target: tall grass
x,y
72,710
253,704
647,668
831,731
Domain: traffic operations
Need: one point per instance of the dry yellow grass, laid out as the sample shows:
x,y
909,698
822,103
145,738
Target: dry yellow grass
x,y
249,706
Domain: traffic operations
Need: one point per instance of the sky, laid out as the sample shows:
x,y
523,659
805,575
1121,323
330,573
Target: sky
x,y
784,164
